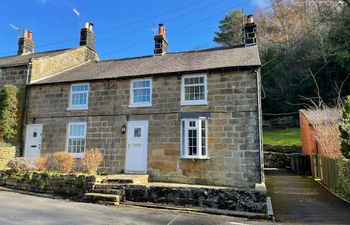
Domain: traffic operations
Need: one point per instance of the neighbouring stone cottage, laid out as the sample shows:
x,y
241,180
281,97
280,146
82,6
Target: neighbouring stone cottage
x,y
189,117
19,70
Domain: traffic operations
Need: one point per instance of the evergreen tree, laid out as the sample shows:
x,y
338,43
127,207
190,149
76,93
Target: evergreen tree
x,y
230,29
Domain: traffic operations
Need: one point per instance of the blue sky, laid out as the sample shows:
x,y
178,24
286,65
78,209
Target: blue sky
x,y
123,28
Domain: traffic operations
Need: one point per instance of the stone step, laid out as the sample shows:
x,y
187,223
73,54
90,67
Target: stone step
x,y
126,179
102,198
109,191
108,186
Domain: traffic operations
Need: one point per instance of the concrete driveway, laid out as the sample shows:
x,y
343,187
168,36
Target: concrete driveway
x,y
19,209
301,200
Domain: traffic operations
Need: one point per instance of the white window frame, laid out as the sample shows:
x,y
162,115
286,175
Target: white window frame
x,y
194,102
140,104
78,107
76,155
184,151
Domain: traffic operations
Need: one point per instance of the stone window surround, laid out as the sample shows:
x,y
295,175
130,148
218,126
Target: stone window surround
x,y
78,107
0,72
194,102
140,104
184,154
76,155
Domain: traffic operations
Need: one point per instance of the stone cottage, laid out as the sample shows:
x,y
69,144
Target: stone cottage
x,y
189,117
28,65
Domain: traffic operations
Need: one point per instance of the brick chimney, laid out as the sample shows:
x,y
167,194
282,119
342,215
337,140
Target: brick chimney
x,y
161,43
87,36
249,31
26,43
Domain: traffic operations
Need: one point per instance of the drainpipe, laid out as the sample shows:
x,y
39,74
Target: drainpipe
x,y
24,111
259,109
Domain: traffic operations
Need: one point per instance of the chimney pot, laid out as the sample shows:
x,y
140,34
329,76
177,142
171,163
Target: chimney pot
x,y
161,29
250,19
30,35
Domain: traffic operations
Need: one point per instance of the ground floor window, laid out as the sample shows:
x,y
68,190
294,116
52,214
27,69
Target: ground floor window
x,y
194,141
76,138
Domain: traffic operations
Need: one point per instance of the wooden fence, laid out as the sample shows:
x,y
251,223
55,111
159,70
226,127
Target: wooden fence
x,y
328,170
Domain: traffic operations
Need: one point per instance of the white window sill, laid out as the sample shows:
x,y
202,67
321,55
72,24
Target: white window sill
x,y
193,157
77,108
195,103
140,105
77,155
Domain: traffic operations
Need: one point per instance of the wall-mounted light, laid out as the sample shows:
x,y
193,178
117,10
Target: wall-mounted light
x,y
123,129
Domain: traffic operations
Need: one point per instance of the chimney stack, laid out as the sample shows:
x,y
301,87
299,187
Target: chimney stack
x,y
87,36
26,43
249,31
161,43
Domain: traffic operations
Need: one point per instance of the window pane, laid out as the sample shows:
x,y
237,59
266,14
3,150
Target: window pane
x,y
192,142
204,138
183,137
142,95
137,132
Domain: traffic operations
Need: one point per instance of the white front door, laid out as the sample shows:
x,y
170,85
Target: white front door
x,y
33,141
136,147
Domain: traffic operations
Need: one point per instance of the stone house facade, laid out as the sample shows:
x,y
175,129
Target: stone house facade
x,y
189,117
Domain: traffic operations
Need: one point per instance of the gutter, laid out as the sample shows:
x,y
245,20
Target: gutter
x,y
24,111
261,158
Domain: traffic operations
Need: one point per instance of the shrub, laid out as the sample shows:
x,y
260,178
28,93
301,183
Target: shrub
x,y
344,129
325,123
43,163
64,161
92,159
8,113
20,165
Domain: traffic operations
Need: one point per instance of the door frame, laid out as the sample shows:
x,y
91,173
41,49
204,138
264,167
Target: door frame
x,y
26,138
145,124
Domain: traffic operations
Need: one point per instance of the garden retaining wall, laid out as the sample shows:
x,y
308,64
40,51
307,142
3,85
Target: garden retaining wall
x,y
67,185
244,200
6,154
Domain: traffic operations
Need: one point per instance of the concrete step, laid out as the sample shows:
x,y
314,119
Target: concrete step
x,y
102,198
107,186
126,179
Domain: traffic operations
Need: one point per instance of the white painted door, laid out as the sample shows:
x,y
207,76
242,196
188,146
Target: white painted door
x,y
136,147
33,141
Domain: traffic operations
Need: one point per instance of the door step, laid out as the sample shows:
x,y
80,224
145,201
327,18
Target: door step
x,y
120,192
126,179
99,198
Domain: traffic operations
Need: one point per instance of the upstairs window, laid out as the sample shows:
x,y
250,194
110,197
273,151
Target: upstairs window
x,y
79,97
141,93
76,139
194,90
194,138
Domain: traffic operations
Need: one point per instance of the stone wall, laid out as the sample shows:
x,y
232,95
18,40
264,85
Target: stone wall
x,y
52,64
277,160
203,197
233,137
68,185
6,154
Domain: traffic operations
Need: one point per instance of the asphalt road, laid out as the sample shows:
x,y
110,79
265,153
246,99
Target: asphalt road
x,y
301,200
20,209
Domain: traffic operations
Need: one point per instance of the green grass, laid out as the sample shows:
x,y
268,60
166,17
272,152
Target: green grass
x,y
284,137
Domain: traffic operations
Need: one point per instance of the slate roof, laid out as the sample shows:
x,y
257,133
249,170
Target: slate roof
x,y
198,60
14,60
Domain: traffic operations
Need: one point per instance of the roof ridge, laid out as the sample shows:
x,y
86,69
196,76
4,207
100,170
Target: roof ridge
x,y
180,52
